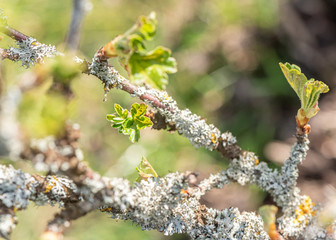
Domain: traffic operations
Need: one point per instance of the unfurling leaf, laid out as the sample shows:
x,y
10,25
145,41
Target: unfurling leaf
x,y
133,39
308,91
130,124
145,170
143,66
268,214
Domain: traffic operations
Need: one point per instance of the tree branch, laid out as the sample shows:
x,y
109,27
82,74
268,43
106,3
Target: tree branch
x,y
80,7
159,203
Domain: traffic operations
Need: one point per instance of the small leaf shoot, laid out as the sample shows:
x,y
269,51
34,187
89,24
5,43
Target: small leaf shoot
x,y
308,92
130,124
145,170
268,214
143,66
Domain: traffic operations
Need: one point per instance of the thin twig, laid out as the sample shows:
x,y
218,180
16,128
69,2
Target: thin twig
x,y
73,36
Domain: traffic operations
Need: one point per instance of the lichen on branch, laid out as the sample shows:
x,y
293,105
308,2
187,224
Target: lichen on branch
x,y
168,204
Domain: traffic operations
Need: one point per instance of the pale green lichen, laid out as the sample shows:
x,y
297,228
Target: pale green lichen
x,y
30,51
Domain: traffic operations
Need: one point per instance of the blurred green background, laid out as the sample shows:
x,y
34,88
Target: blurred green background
x,y
227,52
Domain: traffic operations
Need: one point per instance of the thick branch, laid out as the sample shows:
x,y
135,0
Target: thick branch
x,y
154,204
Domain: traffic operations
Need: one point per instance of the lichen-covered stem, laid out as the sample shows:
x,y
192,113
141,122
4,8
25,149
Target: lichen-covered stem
x,y
190,125
157,204
183,213
6,54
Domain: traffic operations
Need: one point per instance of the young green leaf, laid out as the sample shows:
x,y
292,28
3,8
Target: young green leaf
x,y
135,135
118,120
134,109
127,131
110,117
151,67
268,214
138,109
143,122
145,170
308,91
133,39
130,125
118,109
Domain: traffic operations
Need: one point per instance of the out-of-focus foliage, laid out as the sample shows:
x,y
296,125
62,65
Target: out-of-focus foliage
x,y
3,19
46,105
42,113
63,69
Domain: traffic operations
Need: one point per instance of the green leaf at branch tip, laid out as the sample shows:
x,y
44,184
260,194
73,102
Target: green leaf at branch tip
x,y
143,66
308,91
133,39
145,29
268,214
145,170
152,67
130,124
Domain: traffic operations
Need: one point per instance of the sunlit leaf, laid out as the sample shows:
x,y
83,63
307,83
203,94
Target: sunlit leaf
x,y
134,135
143,122
138,109
134,109
145,170
127,131
133,39
119,110
118,119
130,125
110,117
151,67
116,125
308,91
